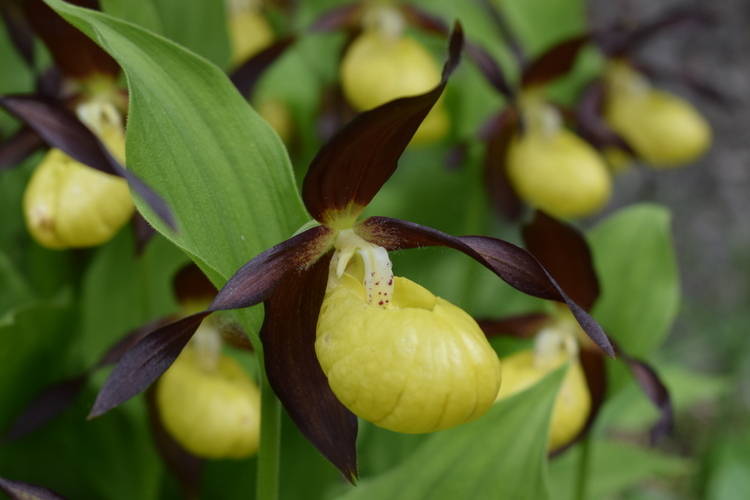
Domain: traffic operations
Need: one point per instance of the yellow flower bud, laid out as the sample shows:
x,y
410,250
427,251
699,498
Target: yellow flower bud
x,y
277,114
664,130
212,413
70,205
249,33
379,67
573,402
414,364
558,172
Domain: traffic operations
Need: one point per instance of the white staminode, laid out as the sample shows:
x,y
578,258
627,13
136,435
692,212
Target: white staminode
x,y
99,114
553,339
378,276
207,343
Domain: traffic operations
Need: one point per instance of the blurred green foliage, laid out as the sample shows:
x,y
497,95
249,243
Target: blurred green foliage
x,y
232,185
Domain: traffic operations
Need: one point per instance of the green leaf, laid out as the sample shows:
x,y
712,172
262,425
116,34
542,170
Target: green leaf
x,y
612,467
32,335
729,477
109,458
635,261
199,25
197,142
140,12
501,455
14,289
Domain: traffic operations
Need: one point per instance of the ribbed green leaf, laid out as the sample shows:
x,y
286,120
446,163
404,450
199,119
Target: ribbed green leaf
x,y
196,141
199,25
636,264
612,468
501,455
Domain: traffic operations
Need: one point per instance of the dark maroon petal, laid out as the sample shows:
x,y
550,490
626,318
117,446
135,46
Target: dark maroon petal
x,y
19,29
564,253
50,82
352,167
500,191
490,69
256,280
145,362
74,52
61,129
512,264
590,122
288,337
191,285
19,147
118,350
524,326
339,17
186,467
554,63
656,391
18,490
424,20
596,378
247,75
46,406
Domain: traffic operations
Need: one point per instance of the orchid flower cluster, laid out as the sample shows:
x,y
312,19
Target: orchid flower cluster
x,y
531,155
342,336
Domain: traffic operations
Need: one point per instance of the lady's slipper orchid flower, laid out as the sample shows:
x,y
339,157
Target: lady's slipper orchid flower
x,y
327,279
531,156
78,196
559,339
627,117
662,129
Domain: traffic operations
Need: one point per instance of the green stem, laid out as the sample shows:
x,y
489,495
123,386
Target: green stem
x,y
270,440
583,468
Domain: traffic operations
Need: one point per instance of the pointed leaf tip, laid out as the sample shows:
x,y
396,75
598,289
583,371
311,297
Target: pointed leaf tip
x,y
350,169
145,362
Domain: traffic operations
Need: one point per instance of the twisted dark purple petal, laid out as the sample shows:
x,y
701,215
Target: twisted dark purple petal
x,y
512,264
